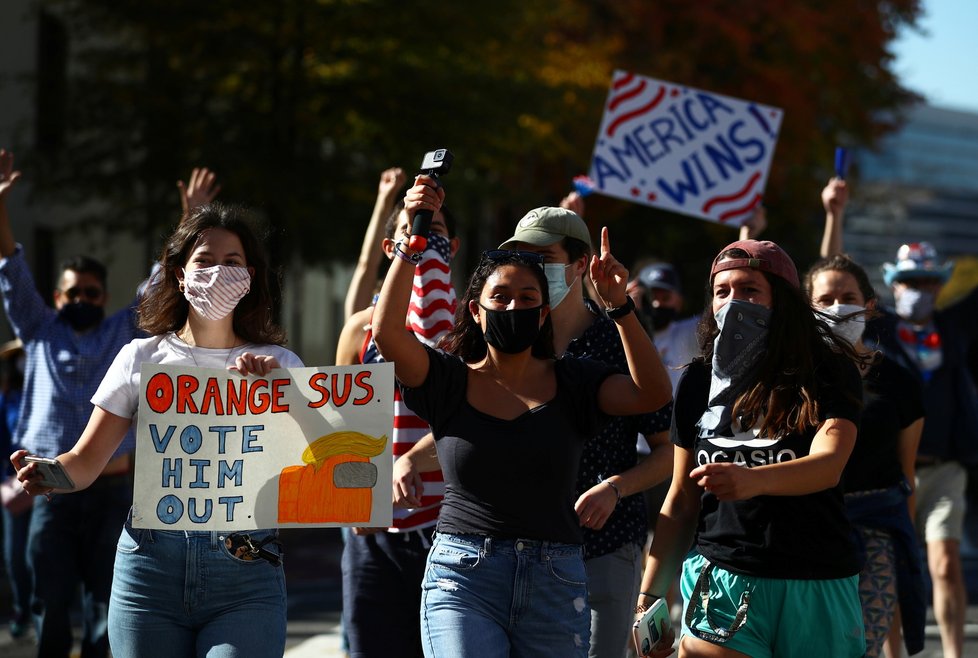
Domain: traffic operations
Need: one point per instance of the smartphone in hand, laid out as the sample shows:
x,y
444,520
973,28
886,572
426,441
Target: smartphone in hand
x,y
651,627
52,473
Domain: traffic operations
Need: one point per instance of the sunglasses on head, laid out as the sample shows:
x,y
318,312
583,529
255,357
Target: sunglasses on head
x,y
88,292
512,255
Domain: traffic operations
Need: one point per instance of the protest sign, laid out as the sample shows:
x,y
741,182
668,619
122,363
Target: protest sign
x,y
301,447
684,149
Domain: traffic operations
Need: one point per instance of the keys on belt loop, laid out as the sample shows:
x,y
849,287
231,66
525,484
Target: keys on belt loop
x,y
702,589
243,547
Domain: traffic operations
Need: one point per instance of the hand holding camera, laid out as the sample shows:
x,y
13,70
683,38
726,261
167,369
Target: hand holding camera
x,y
435,164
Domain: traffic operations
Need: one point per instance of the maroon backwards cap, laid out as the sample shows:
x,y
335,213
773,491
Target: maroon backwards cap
x,y
764,255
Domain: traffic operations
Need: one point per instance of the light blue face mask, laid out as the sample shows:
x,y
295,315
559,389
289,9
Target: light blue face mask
x,y
556,282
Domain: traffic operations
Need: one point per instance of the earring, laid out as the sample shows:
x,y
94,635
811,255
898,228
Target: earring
x,y
181,287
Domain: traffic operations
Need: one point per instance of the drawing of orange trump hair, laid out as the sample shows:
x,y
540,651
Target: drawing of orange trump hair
x,y
336,483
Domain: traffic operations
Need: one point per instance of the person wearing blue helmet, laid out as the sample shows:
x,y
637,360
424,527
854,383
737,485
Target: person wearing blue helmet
x,y
933,344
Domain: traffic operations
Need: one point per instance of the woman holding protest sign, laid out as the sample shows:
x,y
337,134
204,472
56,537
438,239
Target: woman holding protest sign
x,y
505,574
764,424
190,593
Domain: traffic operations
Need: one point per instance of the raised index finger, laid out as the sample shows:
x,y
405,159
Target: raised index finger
x,y
605,242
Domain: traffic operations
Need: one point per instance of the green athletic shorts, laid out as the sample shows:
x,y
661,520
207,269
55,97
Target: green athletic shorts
x,y
783,618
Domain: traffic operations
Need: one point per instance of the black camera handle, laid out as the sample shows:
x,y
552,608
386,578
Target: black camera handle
x,y
421,226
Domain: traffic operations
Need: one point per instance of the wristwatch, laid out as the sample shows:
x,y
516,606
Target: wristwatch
x,y
621,311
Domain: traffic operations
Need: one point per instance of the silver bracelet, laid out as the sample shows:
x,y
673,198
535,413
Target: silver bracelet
x,y
615,487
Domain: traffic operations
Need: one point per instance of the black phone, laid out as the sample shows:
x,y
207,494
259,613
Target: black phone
x,y
52,473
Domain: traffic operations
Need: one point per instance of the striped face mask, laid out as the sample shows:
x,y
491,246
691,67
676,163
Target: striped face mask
x,y
215,291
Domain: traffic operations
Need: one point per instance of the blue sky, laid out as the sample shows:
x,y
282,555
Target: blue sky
x,y
941,61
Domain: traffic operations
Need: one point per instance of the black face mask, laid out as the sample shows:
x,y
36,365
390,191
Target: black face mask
x,y
81,315
661,317
512,331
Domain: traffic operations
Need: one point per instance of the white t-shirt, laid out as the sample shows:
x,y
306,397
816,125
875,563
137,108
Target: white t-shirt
x,y
119,391
677,346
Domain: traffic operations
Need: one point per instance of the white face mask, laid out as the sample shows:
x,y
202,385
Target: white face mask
x,y
843,326
915,305
215,291
556,282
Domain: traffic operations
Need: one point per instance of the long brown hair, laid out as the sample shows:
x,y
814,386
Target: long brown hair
x,y
800,351
164,308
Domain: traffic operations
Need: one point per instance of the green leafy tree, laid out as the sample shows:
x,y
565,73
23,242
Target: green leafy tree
x,y
299,104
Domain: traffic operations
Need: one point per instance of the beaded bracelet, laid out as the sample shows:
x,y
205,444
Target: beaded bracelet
x,y
411,258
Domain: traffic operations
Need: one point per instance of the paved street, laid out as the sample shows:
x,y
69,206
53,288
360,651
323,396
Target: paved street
x,y
313,558
313,578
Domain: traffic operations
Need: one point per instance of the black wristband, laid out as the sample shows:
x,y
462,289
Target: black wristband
x,y
621,311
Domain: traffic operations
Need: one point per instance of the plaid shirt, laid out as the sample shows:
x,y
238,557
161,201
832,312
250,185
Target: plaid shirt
x,y
63,369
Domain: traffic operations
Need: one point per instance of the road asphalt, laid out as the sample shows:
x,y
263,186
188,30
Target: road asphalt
x,y
315,602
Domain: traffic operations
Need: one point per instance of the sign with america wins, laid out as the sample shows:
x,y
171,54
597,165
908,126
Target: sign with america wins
x,y
684,149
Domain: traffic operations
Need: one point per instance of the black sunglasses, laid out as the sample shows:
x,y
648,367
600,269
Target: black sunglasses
x,y
510,255
88,292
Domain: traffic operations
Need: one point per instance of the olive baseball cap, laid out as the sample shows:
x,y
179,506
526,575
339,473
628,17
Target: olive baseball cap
x,y
547,225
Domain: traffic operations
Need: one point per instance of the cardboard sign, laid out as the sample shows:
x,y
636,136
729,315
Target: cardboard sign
x,y
300,447
684,149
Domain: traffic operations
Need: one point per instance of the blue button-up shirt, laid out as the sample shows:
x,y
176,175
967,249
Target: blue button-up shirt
x,y
63,368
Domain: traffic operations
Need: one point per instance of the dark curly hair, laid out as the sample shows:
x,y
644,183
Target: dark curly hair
x,y
164,308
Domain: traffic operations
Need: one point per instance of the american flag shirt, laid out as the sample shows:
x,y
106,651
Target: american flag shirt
x,y
431,314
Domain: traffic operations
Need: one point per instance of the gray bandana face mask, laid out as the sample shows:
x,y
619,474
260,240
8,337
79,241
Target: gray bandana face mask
x,y
737,351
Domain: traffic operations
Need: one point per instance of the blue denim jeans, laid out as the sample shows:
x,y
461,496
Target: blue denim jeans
x,y
383,571
182,594
484,597
72,540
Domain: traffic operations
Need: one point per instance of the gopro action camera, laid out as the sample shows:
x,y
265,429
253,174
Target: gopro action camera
x,y
435,164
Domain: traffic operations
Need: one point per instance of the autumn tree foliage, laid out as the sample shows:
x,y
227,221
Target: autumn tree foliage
x,y
299,104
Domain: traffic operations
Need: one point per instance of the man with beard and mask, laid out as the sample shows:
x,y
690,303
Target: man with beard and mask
x,y
611,477
383,567
933,344
68,350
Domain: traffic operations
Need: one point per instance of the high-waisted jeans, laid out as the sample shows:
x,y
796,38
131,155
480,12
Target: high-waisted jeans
x,y
500,598
178,594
